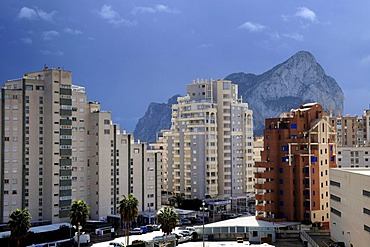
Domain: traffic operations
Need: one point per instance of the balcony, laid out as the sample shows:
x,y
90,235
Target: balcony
x,y
260,207
259,186
265,197
266,174
264,186
269,207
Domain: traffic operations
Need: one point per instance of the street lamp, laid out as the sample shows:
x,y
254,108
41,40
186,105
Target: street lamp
x,y
203,208
79,227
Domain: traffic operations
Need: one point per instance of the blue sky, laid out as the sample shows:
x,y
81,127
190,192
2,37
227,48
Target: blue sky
x,y
128,53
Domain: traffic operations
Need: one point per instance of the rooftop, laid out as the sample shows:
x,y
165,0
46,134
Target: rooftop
x,y
250,221
362,171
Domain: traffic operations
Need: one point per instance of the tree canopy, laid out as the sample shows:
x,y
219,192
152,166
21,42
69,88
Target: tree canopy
x,y
168,219
128,210
79,212
19,224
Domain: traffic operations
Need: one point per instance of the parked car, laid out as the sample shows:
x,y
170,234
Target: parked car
x,y
193,233
185,222
156,227
199,220
239,240
232,216
180,238
144,229
136,230
116,244
186,234
150,228
84,238
190,229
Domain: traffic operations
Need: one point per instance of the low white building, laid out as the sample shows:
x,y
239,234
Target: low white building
x,y
251,229
350,206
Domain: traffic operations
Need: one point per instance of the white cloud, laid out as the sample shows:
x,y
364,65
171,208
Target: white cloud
x,y
72,31
156,9
27,13
295,36
27,41
252,27
49,35
52,53
114,17
35,13
107,12
46,16
307,14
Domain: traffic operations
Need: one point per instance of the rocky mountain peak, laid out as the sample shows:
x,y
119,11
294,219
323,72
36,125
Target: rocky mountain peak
x,y
298,80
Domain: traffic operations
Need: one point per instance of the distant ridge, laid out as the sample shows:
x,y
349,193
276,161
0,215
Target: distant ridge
x,y
157,117
298,80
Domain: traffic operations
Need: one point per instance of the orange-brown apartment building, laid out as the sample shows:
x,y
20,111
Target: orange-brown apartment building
x,y
292,180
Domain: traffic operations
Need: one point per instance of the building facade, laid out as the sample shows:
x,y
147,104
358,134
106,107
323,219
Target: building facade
x,y
351,157
57,147
350,206
352,131
292,180
209,148
352,140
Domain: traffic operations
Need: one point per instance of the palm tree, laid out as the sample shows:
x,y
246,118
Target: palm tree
x,y
19,224
177,200
78,213
128,209
168,219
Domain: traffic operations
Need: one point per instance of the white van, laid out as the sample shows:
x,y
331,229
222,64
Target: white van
x,y
190,229
84,238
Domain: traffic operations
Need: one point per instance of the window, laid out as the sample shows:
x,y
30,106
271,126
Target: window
x,y
337,184
336,212
226,85
366,228
136,150
335,198
366,211
366,193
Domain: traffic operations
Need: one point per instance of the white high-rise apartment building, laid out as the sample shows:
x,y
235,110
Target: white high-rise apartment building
x,y
350,206
209,148
57,147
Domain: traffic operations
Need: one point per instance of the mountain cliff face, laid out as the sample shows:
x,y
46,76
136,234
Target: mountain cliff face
x,y
296,81
156,118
